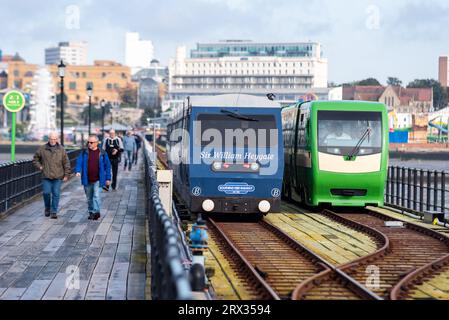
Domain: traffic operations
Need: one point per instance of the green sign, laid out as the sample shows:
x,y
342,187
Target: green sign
x,y
14,101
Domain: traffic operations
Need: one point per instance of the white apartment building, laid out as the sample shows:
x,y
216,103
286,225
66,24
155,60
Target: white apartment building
x,y
288,70
72,53
138,53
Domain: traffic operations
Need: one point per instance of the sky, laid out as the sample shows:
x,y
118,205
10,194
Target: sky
x,y
360,38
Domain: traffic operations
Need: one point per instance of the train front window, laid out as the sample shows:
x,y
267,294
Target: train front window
x,y
349,132
249,131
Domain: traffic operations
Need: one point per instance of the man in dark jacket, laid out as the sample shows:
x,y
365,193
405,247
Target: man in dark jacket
x,y
138,146
51,159
94,168
113,146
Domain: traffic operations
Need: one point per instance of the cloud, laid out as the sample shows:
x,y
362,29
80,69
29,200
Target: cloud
x,y
409,32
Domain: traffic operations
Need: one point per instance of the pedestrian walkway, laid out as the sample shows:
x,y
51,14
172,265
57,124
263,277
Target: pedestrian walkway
x,y
73,257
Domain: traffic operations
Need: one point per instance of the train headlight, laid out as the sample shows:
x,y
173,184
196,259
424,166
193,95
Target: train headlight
x,y
208,205
217,166
255,166
264,206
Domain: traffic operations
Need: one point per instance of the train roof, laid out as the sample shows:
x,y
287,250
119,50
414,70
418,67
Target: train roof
x,y
345,104
233,100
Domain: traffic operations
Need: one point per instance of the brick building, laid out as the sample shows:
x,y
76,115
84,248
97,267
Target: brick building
x,y
401,100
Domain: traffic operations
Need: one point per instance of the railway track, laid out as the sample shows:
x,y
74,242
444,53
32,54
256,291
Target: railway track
x,y
274,264
278,267
410,254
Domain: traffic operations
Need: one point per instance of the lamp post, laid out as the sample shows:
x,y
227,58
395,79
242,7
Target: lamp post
x,y
103,105
61,71
89,94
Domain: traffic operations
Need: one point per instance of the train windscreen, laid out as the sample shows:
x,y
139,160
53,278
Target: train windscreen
x,y
233,129
349,132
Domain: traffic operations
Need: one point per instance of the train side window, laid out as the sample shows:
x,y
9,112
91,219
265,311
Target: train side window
x,y
302,118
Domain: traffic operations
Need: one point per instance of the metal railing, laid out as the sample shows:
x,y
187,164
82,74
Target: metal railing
x,y
20,180
169,279
417,190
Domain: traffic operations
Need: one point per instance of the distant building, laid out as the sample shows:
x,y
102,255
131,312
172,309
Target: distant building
x,y
72,53
138,53
20,73
443,71
234,66
106,77
401,100
292,71
152,85
3,79
129,116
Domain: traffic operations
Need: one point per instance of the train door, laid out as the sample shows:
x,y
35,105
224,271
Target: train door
x,y
294,164
289,125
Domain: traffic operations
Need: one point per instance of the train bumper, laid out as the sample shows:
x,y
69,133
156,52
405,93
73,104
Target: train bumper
x,y
235,205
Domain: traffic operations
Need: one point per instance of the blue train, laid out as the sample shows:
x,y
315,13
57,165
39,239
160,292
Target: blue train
x,y
226,153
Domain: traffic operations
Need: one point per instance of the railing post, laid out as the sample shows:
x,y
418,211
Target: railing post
x,y
403,187
421,190
392,185
409,188
415,191
435,191
388,190
428,191
443,192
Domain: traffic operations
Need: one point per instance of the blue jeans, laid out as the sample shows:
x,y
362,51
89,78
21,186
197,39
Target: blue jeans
x,y
128,159
52,191
92,191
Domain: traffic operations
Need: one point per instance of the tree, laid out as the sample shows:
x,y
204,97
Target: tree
x,y
128,96
440,94
95,114
393,81
148,113
365,82
368,82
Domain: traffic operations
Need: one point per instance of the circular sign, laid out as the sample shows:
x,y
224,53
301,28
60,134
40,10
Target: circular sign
x,y
275,193
14,101
196,191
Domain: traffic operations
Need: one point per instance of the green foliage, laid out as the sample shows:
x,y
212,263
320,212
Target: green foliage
x,y
365,82
393,81
148,113
95,114
128,96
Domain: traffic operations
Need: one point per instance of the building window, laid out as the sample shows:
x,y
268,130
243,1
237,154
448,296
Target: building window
x,y
16,73
90,84
109,86
103,74
72,85
84,75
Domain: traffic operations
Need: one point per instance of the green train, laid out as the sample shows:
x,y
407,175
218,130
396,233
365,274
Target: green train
x,y
336,153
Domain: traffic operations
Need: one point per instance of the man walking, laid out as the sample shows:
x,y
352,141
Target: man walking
x,y
52,160
138,146
129,144
113,146
94,168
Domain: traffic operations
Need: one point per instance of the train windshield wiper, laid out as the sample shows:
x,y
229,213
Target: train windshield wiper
x,y
356,149
237,115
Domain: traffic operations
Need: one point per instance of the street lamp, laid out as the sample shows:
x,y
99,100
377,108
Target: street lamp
x,y
61,71
89,94
103,105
